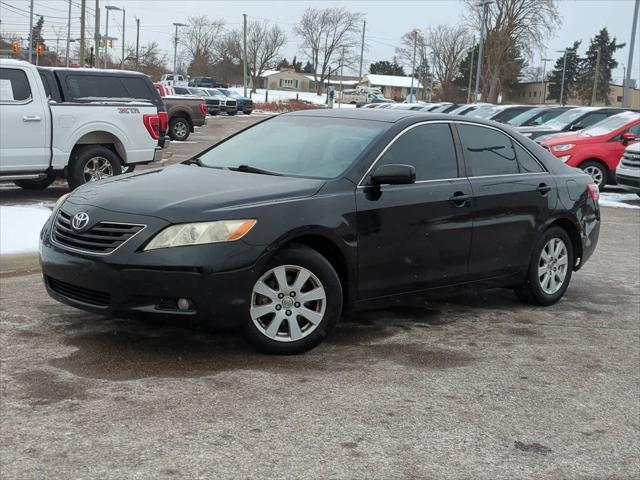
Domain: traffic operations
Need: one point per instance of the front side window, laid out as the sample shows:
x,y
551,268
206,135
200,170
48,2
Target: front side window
x,y
14,86
488,151
610,124
429,148
593,118
297,146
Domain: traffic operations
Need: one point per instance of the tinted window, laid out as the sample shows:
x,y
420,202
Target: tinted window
x,y
488,151
14,86
429,148
45,83
508,114
635,129
593,118
93,86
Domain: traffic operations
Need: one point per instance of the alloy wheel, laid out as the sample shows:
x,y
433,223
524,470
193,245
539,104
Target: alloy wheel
x,y
288,303
180,129
596,173
552,266
97,168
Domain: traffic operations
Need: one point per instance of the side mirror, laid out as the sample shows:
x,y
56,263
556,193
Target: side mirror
x,y
575,127
628,137
394,174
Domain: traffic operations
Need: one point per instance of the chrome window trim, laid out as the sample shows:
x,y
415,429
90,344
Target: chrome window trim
x,y
456,122
86,252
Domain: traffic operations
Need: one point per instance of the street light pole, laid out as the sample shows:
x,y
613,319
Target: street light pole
x,y
413,63
68,35
544,84
564,69
595,78
122,59
485,5
31,30
244,55
627,80
473,51
175,48
106,39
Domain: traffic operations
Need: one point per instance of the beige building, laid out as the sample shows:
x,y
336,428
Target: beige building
x,y
530,93
289,79
392,86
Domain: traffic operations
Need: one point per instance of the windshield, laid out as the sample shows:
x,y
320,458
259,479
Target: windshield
x,y
318,147
199,91
225,91
567,118
524,117
609,125
483,112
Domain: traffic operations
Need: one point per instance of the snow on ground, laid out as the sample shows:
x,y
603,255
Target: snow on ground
x,y
279,95
619,200
20,227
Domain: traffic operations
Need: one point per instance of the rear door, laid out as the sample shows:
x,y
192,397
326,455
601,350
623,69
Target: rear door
x,y
513,195
24,139
416,236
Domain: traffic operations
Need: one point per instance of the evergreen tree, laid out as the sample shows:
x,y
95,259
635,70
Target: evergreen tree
x,y
384,67
607,47
465,70
297,65
308,68
572,72
36,33
284,63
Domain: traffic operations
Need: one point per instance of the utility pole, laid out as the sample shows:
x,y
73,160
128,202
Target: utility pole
x,y
30,31
544,84
96,37
433,66
595,78
244,62
564,69
341,74
473,51
175,48
627,80
123,31
413,62
68,34
485,6
137,41
364,27
106,39
83,12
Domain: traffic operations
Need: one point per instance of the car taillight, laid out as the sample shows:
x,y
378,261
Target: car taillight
x,y
203,108
593,191
164,122
152,122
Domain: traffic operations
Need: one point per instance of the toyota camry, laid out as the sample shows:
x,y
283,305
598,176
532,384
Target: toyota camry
x,y
284,226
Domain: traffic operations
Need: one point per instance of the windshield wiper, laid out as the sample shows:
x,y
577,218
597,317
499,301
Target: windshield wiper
x,y
250,169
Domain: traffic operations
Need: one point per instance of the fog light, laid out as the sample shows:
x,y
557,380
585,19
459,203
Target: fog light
x,y
184,304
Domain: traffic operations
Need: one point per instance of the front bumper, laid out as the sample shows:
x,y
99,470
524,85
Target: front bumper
x,y
217,279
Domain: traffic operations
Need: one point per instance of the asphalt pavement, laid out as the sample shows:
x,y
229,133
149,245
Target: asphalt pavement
x,y
477,387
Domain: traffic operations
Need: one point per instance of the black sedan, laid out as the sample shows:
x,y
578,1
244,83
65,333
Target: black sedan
x,y
284,226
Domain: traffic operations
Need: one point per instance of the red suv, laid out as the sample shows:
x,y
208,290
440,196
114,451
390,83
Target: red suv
x,y
597,150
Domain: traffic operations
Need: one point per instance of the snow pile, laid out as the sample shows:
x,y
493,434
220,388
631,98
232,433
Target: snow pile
x,y
619,200
20,228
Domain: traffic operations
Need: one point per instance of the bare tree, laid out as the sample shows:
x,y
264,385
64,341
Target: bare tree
x,y
449,44
264,42
151,60
198,40
325,33
531,74
404,54
513,27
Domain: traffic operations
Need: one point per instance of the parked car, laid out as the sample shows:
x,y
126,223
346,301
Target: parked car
x,y
284,226
215,104
228,105
499,113
204,82
244,104
628,171
185,112
447,108
597,149
537,116
171,80
572,120
468,108
81,124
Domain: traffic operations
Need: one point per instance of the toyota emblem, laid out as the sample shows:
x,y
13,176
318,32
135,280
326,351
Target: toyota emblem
x,y
80,221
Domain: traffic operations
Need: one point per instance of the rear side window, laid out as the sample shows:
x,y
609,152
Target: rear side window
x,y
508,114
45,83
490,152
93,86
429,148
14,86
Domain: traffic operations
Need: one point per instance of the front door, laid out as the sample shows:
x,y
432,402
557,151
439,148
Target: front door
x,y
412,237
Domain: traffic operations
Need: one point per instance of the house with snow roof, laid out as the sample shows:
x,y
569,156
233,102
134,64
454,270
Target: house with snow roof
x,y
392,86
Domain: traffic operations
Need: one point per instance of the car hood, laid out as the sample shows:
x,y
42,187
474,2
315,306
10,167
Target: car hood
x,y
189,192
568,137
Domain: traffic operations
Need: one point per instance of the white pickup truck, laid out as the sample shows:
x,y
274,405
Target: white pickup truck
x,y
83,124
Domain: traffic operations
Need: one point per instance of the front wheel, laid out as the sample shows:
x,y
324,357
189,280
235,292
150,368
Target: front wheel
x,y
92,164
550,269
597,171
295,303
231,114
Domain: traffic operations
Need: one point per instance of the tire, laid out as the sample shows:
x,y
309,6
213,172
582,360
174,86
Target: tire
x,y
107,164
598,172
269,303
533,290
247,113
39,184
179,129
231,114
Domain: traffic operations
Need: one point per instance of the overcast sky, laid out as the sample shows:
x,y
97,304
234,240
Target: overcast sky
x,y
386,21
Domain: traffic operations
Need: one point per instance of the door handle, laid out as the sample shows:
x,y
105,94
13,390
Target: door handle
x,y
459,199
543,189
31,118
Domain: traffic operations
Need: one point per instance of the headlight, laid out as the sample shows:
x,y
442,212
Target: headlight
x,y
59,202
200,233
563,148
564,158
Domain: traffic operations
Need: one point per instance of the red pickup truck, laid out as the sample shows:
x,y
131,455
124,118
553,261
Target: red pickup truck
x,y
597,149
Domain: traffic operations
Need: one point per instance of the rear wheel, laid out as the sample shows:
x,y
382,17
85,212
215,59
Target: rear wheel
x,y
38,184
598,172
179,129
295,303
92,164
231,114
550,269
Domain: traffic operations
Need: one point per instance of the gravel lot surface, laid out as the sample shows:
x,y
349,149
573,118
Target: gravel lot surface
x,y
478,387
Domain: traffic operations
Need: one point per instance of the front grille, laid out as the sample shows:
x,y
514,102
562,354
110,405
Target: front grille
x,y
80,294
231,103
213,101
101,239
631,160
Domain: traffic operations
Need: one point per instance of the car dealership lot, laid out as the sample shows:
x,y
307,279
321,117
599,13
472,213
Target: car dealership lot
x,y
474,387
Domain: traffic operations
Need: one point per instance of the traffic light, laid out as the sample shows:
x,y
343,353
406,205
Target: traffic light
x,y
40,48
15,47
